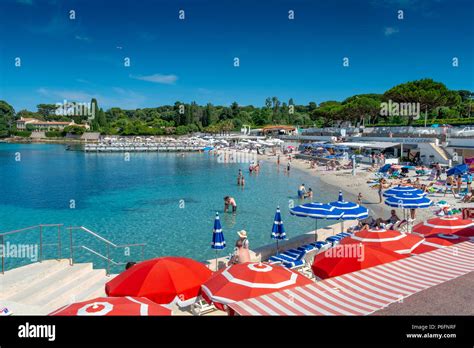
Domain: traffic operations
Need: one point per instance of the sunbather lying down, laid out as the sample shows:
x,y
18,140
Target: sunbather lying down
x,y
469,198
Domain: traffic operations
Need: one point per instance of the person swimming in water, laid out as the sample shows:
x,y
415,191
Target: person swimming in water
x,y
230,201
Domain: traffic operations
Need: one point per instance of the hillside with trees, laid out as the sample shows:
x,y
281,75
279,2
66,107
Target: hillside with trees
x,y
440,105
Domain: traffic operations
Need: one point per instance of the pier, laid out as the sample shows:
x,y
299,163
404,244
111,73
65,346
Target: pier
x,y
145,147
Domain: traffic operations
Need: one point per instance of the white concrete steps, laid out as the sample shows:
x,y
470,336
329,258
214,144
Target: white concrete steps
x,y
24,276
32,292
71,292
41,288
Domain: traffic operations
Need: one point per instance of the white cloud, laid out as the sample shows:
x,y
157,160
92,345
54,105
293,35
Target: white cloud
x,y
157,78
123,98
388,31
82,38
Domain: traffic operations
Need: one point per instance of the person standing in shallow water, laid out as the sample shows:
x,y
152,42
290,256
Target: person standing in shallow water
x,y
230,201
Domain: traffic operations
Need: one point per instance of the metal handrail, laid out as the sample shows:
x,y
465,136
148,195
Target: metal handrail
x,y
107,242
41,226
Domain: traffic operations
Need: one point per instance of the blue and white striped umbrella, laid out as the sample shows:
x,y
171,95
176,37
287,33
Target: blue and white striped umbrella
x,y
278,230
316,211
218,241
408,201
403,189
349,210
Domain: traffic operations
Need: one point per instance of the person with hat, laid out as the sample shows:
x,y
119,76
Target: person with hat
x,y
243,238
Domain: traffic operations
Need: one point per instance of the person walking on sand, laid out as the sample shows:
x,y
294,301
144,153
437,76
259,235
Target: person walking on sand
x,y
438,171
359,198
230,201
469,181
278,160
380,189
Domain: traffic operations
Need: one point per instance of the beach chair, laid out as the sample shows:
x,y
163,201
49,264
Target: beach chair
x,y
201,307
401,226
308,261
297,263
322,245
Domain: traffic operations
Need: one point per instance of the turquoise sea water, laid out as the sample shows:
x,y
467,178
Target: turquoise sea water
x,y
141,200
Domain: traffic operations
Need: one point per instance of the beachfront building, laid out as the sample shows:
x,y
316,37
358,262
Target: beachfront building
x,y
279,130
41,125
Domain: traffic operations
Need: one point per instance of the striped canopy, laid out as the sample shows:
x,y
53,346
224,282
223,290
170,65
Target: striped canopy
x,y
316,211
394,191
278,230
349,210
408,201
218,241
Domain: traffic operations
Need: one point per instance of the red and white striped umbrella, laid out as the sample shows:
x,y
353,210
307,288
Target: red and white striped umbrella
x,y
436,241
132,306
446,225
247,280
388,239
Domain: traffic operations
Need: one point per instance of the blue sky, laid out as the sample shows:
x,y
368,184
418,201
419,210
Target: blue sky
x,y
192,59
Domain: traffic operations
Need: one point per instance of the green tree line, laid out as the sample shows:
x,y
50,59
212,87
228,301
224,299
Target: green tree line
x,y
435,100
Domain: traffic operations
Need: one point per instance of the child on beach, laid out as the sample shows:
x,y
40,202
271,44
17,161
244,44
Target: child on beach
x,y
359,198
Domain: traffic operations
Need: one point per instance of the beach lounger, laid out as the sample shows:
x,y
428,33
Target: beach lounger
x,y
201,307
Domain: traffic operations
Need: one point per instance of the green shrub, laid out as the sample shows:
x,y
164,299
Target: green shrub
x,y
54,134
20,133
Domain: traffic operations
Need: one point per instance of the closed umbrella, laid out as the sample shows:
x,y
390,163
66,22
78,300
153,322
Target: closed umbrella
x,y
278,230
218,241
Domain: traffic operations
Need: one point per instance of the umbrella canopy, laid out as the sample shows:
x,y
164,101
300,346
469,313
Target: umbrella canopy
x,y
408,201
397,190
218,241
316,211
248,280
445,225
460,169
436,241
349,210
392,240
278,230
109,306
342,259
164,280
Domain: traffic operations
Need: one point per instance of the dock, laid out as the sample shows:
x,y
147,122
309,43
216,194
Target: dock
x,y
146,147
